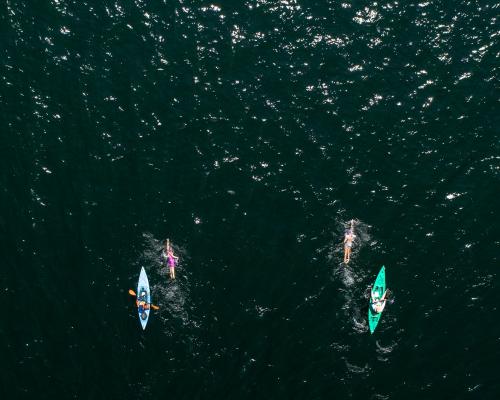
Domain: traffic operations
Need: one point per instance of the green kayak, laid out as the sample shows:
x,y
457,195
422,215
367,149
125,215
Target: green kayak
x,y
378,288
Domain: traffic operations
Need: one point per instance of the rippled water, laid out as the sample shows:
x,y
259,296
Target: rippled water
x,y
249,133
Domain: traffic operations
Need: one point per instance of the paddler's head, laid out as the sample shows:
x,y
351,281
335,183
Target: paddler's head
x,y
144,315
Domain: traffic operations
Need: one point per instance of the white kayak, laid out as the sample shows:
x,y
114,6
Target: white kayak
x,y
143,294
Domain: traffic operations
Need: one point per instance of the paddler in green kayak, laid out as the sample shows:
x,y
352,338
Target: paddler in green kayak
x,y
378,303
348,241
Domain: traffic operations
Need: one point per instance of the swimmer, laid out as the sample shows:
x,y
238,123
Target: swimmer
x,y
171,258
348,241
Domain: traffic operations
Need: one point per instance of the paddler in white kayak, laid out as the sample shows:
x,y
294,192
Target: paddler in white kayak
x,y
348,241
171,259
378,303
142,304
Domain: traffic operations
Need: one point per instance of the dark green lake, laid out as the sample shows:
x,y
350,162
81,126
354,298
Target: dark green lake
x,y
249,133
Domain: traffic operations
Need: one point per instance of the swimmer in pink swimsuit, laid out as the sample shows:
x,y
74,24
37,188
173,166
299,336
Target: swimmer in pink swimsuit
x,y
171,258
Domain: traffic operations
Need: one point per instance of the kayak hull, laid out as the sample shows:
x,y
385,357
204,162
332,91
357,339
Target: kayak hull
x,y
379,287
143,286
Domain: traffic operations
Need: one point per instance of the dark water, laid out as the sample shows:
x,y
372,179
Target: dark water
x,y
249,133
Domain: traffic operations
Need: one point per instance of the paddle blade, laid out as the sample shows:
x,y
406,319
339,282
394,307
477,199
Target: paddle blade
x,y
131,292
154,307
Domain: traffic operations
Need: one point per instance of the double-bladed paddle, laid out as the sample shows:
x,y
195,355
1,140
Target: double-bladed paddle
x,y
132,293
